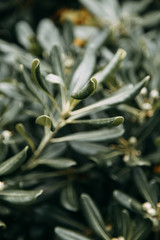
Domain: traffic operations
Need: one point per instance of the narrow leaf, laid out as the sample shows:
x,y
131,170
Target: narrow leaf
x,y
124,94
91,136
102,122
13,163
20,197
44,120
86,91
65,234
94,217
36,75
52,78
20,128
113,65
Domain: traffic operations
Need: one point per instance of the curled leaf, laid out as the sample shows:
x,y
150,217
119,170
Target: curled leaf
x,y
44,120
86,91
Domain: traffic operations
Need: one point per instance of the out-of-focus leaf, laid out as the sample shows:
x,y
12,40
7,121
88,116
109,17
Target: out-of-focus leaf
x,y
2,224
13,163
102,122
57,62
93,136
3,150
59,163
69,198
113,65
150,19
88,148
24,32
98,39
132,7
142,230
20,128
94,217
86,91
44,120
54,79
84,71
66,234
124,94
20,197
127,201
48,35
143,185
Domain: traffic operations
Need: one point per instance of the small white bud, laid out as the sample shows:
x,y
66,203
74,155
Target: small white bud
x,y
146,206
69,62
154,94
132,140
6,134
126,158
144,91
147,106
152,212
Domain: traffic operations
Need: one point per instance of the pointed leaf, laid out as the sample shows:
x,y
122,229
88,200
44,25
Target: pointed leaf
x,y
88,148
65,234
91,136
102,122
124,94
86,91
20,197
13,163
44,120
84,71
57,62
36,75
94,217
69,198
113,65
20,128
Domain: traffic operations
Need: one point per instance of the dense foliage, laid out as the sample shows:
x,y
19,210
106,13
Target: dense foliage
x,y
79,120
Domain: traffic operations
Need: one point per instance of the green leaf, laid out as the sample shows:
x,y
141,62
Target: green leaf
x,y
143,185
69,198
142,230
88,90
98,39
87,148
94,217
54,79
20,128
84,71
127,201
20,197
65,234
132,7
102,122
2,224
3,150
91,136
13,163
57,63
150,19
124,94
36,75
113,65
126,222
59,163
44,120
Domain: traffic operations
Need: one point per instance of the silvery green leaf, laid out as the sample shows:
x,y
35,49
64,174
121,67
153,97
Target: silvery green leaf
x,y
84,71
124,94
132,7
102,122
44,120
98,39
13,163
20,197
52,78
57,163
88,90
143,185
69,198
21,129
24,32
66,234
94,217
2,224
127,201
57,62
48,35
3,150
111,67
150,19
93,136
142,230
87,148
